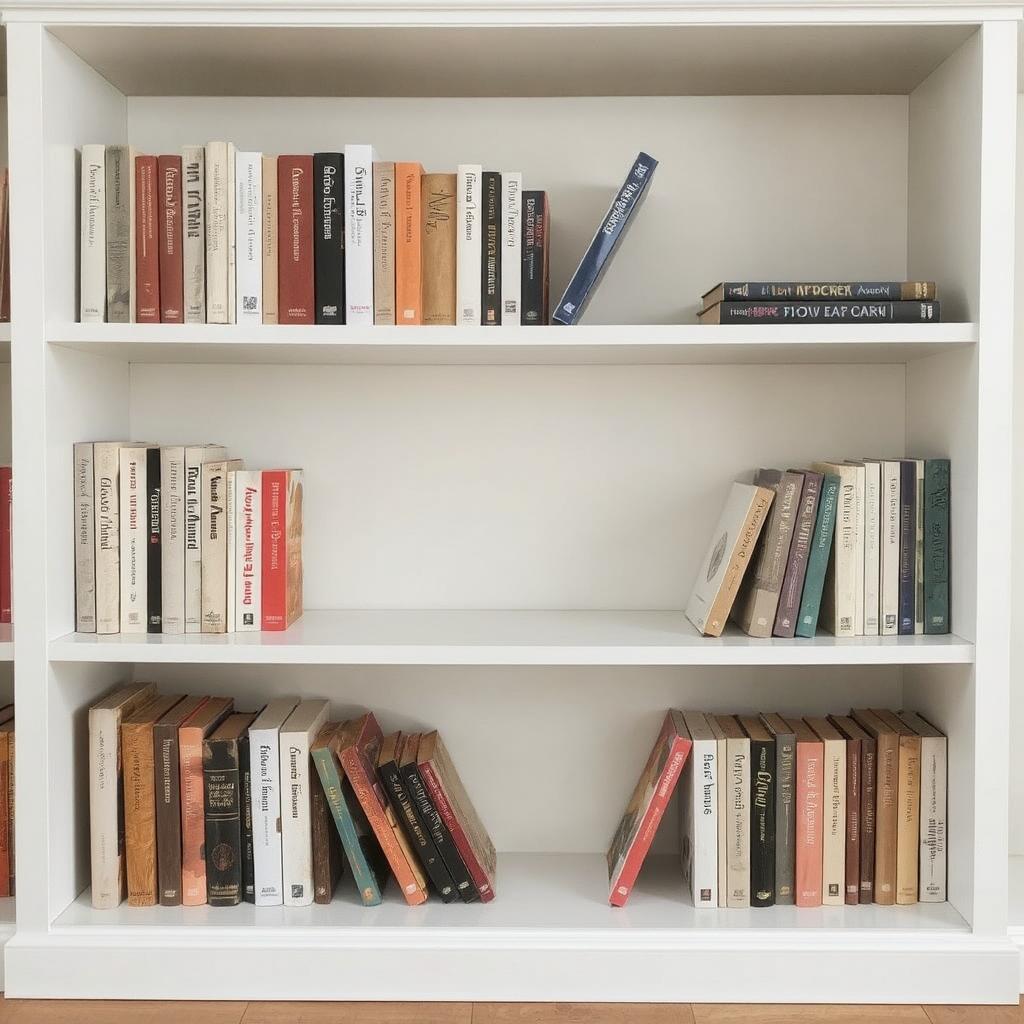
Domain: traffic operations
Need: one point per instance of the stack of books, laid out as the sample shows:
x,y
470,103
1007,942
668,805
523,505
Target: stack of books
x,y
222,807
807,811
861,546
182,539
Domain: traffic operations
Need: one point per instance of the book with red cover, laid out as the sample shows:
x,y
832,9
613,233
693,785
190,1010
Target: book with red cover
x,y
810,813
172,271
646,807
295,292
357,751
6,557
147,242
281,549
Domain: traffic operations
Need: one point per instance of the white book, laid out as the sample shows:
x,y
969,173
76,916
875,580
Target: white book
x,y
265,775
919,550
932,866
248,549
93,257
232,249
85,540
512,245
106,495
721,760
297,735
359,234
219,205
215,544
193,165
195,457
890,548
833,847
229,520
249,238
172,539
872,544
699,812
839,597
134,539
859,551
468,311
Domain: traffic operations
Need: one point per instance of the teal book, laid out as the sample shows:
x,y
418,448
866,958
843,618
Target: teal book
x,y
817,561
936,546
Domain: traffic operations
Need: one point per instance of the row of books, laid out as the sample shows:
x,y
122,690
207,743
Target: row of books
x,y
221,806
861,545
182,539
807,811
218,236
820,302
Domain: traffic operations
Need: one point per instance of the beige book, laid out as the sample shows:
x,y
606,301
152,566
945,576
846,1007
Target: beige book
x,y
219,231
908,816
215,544
107,532
737,783
839,599
721,753
833,852
932,867
438,241
270,239
383,242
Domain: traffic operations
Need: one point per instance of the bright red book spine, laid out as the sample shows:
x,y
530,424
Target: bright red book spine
x,y
295,298
6,547
809,822
147,245
274,594
172,285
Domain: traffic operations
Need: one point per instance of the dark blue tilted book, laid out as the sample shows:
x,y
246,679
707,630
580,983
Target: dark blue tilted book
x,y
610,232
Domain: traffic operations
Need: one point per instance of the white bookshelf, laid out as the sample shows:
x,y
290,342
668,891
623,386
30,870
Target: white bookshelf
x,y
501,526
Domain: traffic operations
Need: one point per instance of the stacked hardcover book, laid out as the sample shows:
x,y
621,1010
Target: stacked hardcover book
x,y
808,811
183,539
221,807
861,547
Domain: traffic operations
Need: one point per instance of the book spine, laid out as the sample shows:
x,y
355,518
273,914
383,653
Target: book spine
x,y
6,544
11,802
408,238
231,550
886,816
248,240
704,802
106,488
328,240
899,312
193,818
323,840
154,585
841,597
120,221
133,540
245,810
919,547
818,558
265,764
269,235
274,584
219,200
868,832
214,547
532,292
172,540
467,275
890,554
231,236
6,815
439,248
908,826
858,550
833,870
785,819
85,543
193,159
147,244
777,290
936,546
168,814
872,547
511,248
809,823
853,823
296,822
359,235
762,823
105,803
171,267
296,301
933,820
908,544
293,547
799,552
490,251
722,764
248,543
193,569
383,243
738,825
139,814
93,289
223,809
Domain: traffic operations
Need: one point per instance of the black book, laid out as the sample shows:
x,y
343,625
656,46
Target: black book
x,y
535,257
762,812
908,544
431,818
329,237
490,252
402,806
248,871
153,600
824,312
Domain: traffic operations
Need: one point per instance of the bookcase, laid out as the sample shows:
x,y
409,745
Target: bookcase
x,y
501,525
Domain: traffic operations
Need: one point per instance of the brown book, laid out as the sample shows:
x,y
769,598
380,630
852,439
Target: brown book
x,y
852,734
438,248
168,799
296,302
867,795
147,242
887,757
383,242
408,234
270,239
140,799
193,814
172,284
908,819
327,857
6,849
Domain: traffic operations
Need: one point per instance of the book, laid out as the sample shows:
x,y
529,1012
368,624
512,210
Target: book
x,y
119,192
327,856
470,232
154,591
281,548
248,541
859,540
214,544
8,727
169,196
698,812
147,245
890,549
886,802
270,239
536,260
908,544
106,792
818,557
511,241
807,290
245,777
609,235
799,312
191,735
762,811
193,243
134,537
297,734
85,539
908,819
785,807
872,507
106,495
919,547
92,306
265,770
758,599
728,555
737,827
810,813
329,238
383,242
833,849
408,237
6,543
219,237
490,250
231,236
230,574
840,594
196,456
722,763
359,161
438,248
932,861
6,811
248,238
853,736
296,302
799,552
936,546
172,539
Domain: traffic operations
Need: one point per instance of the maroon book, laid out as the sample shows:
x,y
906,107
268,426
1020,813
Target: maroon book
x,y
854,803
172,286
799,552
147,259
296,302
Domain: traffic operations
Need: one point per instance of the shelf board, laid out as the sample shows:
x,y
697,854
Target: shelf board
x,y
605,343
557,637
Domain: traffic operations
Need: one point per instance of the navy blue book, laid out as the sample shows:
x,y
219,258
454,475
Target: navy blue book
x,y
609,234
908,543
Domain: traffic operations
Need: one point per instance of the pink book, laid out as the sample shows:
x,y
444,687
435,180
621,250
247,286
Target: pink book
x,y
810,758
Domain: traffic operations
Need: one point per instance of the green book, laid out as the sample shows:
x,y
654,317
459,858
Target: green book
x,y
817,561
936,546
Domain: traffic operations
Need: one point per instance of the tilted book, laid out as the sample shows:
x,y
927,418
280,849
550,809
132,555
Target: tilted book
x,y
810,813
219,204
799,552
833,847
886,802
408,243
698,812
840,594
93,255
823,312
172,539
762,811
106,496
120,234
193,243
214,507
327,855
196,456
908,817
785,807
248,542
329,238
85,540
932,866
270,239
296,300
248,238
818,557
359,234
438,248
936,546
134,538
890,549
776,291
470,232
170,241
383,242
511,248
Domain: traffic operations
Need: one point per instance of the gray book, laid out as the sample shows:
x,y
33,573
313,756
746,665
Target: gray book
x,y
799,554
120,193
785,808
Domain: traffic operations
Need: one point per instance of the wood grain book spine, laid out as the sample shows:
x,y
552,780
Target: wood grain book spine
x,y
890,549
245,787
438,248
134,536
172,539
214,544
329,238
511,248
470,232
383,242
359,160
738,822
908,544
219,204
886,804
248,238
120,234
85,540
222,795
296,301
799,552
270,237
139,814
154,585
491,251
534,283
854,769
147,241
172,283
92,307
193,245
326,848
106,490
810,757
762,823
408,239
936,546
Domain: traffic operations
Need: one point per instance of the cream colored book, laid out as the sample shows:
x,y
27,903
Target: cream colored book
x,y
383,242
467,247
270,314
172,539
908,813
932,866
833,853
215,544
219,232
85,539
106,488
737,783
193,162
721,753
196,456
698,812
839,599
93,255
134,538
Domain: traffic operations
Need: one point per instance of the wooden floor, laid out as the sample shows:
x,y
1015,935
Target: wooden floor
x,y
14,1011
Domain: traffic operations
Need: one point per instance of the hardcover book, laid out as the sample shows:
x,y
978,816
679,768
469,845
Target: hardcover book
x,y
154,586
281,548
823,312
887,773
818,557
722,762
147,244
868,797
936,546
932,866
890,545
329,238
271,240
359,161
92,307
762,811
438,248
807,290
799,552
840,593
698,812
851,734
248,866
172,539
908,818
193,247
172,285
119,192
196,456
134,521
785,807
383,242
106,491
296,302
6,810
833,850
908,544
871,510
214,552
219,236
490,251
511,248
85,540
470,190
248,541
536,256
327,857
408,236
737,783
810,817
919,547
248,238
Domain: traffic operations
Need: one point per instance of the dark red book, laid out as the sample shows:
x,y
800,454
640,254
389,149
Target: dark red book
x,y
171,271
296,299
147,243
6,489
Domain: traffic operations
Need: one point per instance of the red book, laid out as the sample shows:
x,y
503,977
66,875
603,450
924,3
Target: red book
x,y
646,807
171,270
810,814
281,583
6,556
147,243
295,298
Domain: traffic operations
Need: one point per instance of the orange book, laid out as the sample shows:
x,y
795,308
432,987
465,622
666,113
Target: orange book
x,y
908,807
810,758
408,230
